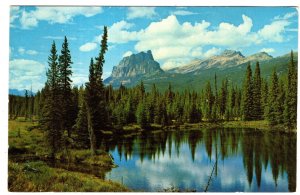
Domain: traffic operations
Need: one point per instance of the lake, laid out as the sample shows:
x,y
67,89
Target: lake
x,y
213,160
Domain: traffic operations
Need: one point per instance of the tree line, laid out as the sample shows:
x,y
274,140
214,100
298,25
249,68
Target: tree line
x,y
81,114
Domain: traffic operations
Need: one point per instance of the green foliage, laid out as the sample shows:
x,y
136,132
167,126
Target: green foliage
x,y
257,111
39,177
248,95
290,111
141,115
95,98
65,90
51,118
274,103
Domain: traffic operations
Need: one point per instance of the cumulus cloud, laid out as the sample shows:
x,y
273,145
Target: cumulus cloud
x,y
173,42
88,47
23,51
128,53
14,13
23,73
267,50
274,32
140,12
119,33
29,19
183,13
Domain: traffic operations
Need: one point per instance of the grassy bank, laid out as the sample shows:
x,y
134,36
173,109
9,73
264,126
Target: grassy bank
x,y
261,124
39,177
78,170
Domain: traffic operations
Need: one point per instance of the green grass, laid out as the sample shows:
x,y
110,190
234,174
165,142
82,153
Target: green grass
x,y
27,143
39,177
24,138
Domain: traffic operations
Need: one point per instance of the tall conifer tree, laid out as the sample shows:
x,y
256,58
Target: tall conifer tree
x,y
65,82
51,120
95,97
248,95
291,95
257,107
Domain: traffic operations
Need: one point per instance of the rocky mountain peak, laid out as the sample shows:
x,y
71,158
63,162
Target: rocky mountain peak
x,y
231,53
133,67
261,56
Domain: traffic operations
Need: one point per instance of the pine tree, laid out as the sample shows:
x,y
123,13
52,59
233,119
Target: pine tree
x,y
291,95
95,97
141,115
273,112
81,127
26,104
51,120
223,97
257,107
65,82
248,95
264,99
281,99
209,102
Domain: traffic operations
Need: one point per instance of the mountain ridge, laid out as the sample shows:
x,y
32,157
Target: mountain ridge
x,y
227,59
196,80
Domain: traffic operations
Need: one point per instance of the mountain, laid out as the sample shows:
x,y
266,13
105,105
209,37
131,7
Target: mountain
x,y
132,68
235,74
19,92
227,59
194,75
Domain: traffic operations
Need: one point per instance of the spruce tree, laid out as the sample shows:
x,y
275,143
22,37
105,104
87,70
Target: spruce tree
x,y
65,82
248,95
51,120
273,112
95,97
291,95
209,101
257,107
26,103
81,127
141,115
223,97
264,98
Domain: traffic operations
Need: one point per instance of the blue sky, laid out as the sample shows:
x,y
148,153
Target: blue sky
x,y
176,35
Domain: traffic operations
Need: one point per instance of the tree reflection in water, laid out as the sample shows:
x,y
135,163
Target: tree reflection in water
x,y
258,150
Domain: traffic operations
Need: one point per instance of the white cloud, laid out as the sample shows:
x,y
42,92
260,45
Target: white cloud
x,y
88,47
119,34
183,13
23,73
274,32
172,42
32,52
141,12
128,53
286,16
211,52
59,38
29,19
23,51
79,79
267,50
168,38
14,13
292,29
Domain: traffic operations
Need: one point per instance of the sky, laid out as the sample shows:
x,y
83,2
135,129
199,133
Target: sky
x,y
175,35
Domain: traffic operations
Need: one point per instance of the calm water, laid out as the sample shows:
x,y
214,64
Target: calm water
x,y
213,160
